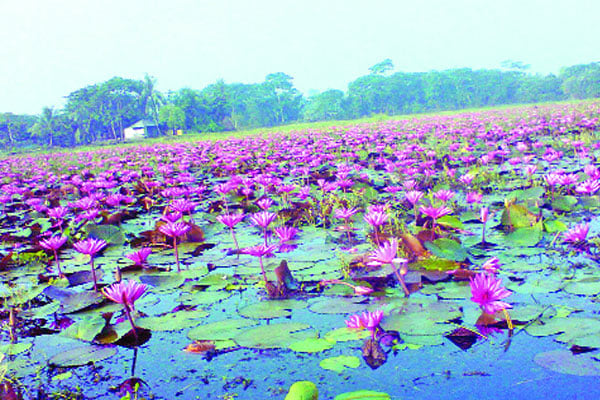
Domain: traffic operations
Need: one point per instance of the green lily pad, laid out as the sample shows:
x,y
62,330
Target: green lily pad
x,y
172,321
587,287
203,298
340,364
564,203
564,362
518,216
346,334
569,328
163,281
81,356
311,345
11,349
449,290
303,390
85,329
271,309
80,301
555,225
590,202
337,305
110,233
447,249
451,221
221,330
41,312
525,237
363,395
274,336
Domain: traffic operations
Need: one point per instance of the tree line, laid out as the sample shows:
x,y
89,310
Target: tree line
x,y
102,111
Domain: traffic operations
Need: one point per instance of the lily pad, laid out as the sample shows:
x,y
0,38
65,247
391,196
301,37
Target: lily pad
x,y
172,321
271,309
346,334
11,349
363,395
564,362
79,301
525,237
221,330
587,287
311,345
337,305
81,356
564,203
203,298
110,233
447,249
303,390
340,364
274,336
86,329
164,281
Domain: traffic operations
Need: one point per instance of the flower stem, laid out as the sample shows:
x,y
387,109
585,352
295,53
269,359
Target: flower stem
x,y
58,264
401,279
237,247
94,273
176,253
131,322
262,268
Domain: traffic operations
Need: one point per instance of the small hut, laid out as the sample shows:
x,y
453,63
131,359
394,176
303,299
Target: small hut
x,y
142,128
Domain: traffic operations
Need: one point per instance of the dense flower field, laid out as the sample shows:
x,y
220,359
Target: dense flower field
x,y
447,252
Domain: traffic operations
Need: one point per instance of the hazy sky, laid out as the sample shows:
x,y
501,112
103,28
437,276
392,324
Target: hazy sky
x,y
53,47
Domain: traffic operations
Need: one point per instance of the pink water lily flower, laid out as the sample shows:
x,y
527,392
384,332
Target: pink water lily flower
x,y
174,230
139,257
126,293
90,247
486,290
54,243
576,234
368,320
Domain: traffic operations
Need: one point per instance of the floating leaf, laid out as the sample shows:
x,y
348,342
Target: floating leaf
x,y
587,287
82,356
525,237
447,248
274,336
564,362
554,225
109,233
346,334
203,298
311,345
86,329
517,216
271,309
363,395
337,305
221,330
303,390
564,203
163,281
11,349
79,301
340,364
172,321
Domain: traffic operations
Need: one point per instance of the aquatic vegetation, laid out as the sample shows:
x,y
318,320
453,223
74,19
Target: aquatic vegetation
x,y
345,221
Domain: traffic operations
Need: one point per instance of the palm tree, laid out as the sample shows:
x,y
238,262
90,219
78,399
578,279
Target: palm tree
x,y
151,100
